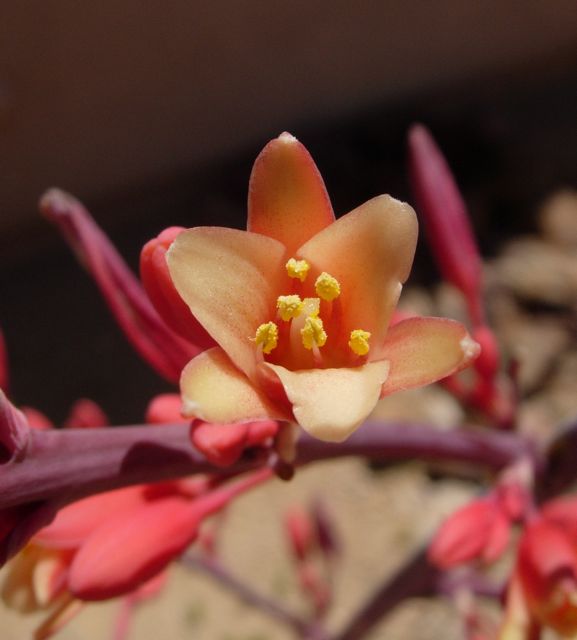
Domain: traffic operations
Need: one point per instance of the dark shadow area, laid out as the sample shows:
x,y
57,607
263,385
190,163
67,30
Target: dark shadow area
x,y
510,140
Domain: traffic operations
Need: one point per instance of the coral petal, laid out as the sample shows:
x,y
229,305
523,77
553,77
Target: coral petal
x,y
464,535
287,198
369,251
331,403
230,280
260,431
127,551
74,523
423,350
213,389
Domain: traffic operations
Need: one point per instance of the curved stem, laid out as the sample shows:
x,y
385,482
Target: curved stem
x,y
69,464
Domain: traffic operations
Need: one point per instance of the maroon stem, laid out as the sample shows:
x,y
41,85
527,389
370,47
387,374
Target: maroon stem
x,y
69,464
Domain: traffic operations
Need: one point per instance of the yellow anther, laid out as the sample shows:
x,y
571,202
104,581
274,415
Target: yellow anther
x,y
327,287
289,307
311,307
313,333
267,336
359,342
297,269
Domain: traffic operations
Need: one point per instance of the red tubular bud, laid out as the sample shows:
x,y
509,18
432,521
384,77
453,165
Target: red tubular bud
x,y
131,548
158,345
165,409
162,292
447,224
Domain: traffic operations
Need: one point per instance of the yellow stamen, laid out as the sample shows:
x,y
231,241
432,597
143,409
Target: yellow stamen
x,y
313,334
327,287
311,307
359,342
289,307
297,269
267,336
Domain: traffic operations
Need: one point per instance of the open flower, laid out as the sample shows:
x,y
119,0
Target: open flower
x,y
300,305
544,582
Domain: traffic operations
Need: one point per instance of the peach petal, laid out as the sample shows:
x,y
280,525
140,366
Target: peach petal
x,y
213,389
331,403
230,280
423,350
287,198
369,251
18,586
126,551
75,522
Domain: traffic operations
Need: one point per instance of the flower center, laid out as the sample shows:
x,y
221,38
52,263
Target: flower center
x,y
306,327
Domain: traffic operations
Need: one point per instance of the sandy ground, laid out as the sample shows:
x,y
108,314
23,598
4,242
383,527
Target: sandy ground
x,y
380,517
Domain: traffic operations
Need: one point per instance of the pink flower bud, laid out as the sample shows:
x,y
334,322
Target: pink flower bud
x,y
477,531
446,219
223,444
36,419
158,345
162,292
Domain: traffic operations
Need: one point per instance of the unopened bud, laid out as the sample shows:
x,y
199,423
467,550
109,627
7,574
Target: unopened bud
x,y
162,292
447,224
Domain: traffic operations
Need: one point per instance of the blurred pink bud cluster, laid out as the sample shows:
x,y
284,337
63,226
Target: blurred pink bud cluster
x,y
452,241
315,549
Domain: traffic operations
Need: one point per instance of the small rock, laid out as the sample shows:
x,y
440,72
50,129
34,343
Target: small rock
x,y
558,219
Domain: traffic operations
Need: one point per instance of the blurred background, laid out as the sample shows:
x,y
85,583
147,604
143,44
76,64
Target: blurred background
x,y
152,114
